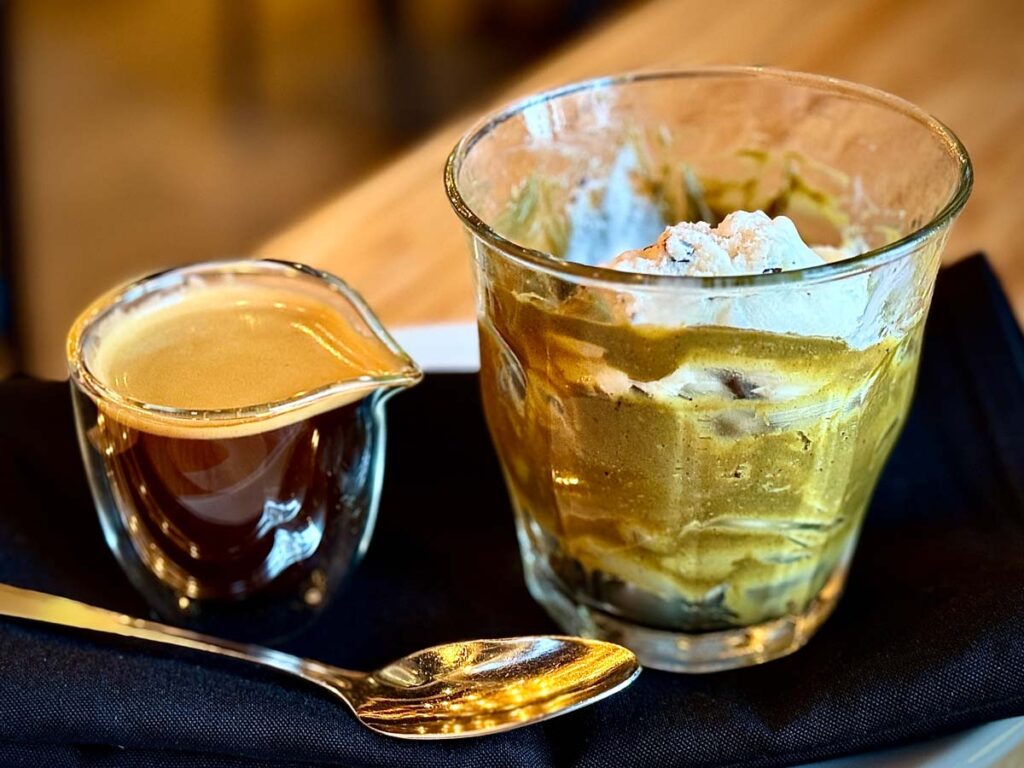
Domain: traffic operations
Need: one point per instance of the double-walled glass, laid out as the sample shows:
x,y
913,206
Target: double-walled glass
x,y
690,458
237,521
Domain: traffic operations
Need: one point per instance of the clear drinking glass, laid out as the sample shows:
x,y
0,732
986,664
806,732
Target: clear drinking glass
x,y
239,521
690,458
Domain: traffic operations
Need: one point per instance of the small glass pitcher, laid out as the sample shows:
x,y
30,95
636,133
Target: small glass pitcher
x,y
240,521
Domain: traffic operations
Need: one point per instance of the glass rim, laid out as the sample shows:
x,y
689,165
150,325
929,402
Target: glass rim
x,y
613,279
92,385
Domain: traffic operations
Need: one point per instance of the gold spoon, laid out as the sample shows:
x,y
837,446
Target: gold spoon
x,y
471,688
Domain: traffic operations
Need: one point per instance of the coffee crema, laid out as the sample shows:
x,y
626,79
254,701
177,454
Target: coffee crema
x,y
237,348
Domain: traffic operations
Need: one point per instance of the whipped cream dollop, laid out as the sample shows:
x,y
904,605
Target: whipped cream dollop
x,y
744,243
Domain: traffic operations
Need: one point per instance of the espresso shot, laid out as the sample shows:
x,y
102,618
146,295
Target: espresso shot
x,y
231,421
226,518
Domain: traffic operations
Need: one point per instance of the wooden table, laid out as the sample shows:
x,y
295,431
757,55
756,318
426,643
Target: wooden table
x,y
396,240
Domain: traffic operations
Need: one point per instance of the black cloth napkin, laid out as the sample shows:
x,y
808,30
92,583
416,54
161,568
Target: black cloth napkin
x,y
927,639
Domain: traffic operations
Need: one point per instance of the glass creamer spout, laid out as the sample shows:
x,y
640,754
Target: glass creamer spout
x,y
368,361
364,355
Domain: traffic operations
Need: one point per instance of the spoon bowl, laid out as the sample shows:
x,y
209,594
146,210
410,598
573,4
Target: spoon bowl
x,y
478,687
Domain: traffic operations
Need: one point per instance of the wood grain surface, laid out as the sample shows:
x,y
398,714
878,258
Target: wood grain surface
x,y
395,239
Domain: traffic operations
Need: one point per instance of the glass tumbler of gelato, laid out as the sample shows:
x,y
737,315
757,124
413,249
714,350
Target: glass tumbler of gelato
x,y
701,298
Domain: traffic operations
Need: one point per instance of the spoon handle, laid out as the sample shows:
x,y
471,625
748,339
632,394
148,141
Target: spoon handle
x,y
51,609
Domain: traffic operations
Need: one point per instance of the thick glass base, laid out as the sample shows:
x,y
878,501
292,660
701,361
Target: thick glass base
x,y
680,651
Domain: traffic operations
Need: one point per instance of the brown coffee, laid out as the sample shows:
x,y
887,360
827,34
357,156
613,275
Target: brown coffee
x,y
226,518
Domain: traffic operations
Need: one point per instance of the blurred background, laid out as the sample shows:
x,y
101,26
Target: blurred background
x,y
136,134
